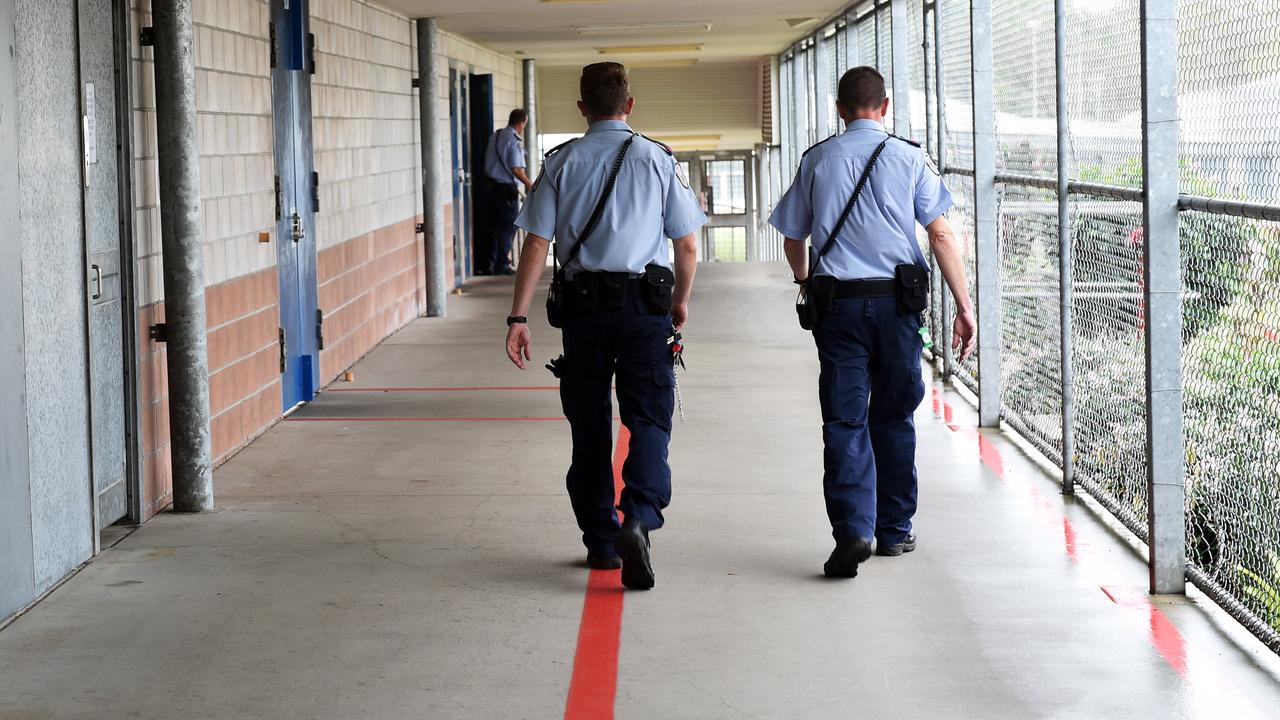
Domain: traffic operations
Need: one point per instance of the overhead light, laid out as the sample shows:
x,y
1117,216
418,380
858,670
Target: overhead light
x,y
658,27
676,63
689,139
793,22
647,49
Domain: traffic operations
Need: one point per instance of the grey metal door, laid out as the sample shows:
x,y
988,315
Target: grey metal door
x,y
107,349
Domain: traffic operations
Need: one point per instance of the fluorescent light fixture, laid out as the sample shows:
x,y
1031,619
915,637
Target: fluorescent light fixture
x,y
648,49
689,139
656,27
677,63
793,22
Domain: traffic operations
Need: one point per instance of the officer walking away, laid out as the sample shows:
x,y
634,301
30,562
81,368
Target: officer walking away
x,y
859,195
504,164
611,199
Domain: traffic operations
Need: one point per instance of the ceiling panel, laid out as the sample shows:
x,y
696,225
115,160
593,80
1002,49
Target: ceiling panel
x,y
740,29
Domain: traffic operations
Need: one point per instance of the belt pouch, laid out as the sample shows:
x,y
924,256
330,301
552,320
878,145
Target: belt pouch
x,y
817,296
911,288
556,297
659,284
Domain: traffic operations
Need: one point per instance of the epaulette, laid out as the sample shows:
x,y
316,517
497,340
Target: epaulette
x,y
806,152
665,147
905,140
557,148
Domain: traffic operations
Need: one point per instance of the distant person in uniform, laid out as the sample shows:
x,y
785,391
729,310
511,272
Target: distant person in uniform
x,y
504,164
866,286
611,199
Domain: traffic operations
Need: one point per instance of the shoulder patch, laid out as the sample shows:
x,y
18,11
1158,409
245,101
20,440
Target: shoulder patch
x,y
806,152
557,148
905,140
665,148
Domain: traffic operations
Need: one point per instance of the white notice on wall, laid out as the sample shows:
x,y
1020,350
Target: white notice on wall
x,y
90,124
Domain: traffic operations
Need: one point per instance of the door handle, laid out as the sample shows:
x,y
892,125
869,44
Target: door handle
x,y
97,282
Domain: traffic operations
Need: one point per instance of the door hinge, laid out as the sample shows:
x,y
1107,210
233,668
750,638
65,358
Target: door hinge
x,y
315,192
299,232
279,201
417,83
272,27
147,38
311,53
420,228
159,332
319,329
284,352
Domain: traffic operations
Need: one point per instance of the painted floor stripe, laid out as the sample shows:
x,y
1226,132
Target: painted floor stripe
x,y
426,419
478,388
595,664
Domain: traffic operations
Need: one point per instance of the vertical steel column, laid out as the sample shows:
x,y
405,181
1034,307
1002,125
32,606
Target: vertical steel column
x,y
822,128
1166,506
534,158
940,136
986,235
432,176
1064,248
901,71
186,334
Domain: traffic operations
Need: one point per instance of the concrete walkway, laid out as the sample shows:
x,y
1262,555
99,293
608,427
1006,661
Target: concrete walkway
x,y
410,553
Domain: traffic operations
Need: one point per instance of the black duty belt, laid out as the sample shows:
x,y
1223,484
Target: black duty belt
x,y
595,278
881,287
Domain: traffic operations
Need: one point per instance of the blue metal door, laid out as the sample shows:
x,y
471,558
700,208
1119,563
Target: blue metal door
x,y
297,200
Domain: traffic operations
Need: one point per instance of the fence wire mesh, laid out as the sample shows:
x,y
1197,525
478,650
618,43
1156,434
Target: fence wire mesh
x,y
1229,109
1022,35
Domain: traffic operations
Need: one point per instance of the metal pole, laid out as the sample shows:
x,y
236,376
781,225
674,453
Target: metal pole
x,y
940,136
1166,506
1064,248
186,334
901,70
432,175
534,158
984,210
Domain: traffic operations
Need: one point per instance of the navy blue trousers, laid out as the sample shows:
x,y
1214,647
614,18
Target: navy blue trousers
x,y
630,344
870,387
504,208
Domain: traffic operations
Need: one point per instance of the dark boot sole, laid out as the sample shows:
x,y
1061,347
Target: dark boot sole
x,y
844,562
637,572
610,564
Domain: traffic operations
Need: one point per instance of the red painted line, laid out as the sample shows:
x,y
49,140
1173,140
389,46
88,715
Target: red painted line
x,y
594,686
498,388
1165,636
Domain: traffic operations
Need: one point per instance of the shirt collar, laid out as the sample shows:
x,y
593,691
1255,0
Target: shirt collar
x,y
865,124
602,125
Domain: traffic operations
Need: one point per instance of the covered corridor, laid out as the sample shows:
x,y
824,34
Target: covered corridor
x,y
402,547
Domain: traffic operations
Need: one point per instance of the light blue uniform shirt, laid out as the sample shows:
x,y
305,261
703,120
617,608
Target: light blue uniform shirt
x,y
505,153
880,234
651,202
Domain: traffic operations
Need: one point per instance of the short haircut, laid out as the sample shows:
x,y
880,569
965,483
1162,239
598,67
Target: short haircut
x,y
605,88
861,88
517,116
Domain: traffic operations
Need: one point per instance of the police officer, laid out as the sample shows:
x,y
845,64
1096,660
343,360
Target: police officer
x,y
504,164
865,292
619,307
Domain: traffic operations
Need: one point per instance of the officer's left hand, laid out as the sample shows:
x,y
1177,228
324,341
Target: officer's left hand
x,y
519,344
679,315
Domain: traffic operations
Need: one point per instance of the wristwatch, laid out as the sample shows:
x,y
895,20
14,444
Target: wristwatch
x,y
517,319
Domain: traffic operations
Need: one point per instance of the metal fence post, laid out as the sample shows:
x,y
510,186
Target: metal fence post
x,y
1064,248
984,212
940,135
432,175
184,301
1162,295
901,105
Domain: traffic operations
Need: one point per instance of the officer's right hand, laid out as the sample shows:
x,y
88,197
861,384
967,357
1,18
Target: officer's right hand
x,y
964,334
679,315
519,344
